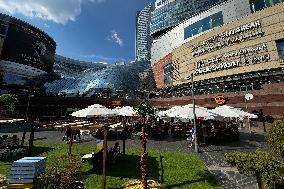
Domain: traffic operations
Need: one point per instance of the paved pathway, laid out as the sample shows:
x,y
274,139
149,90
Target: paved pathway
x,y
212,155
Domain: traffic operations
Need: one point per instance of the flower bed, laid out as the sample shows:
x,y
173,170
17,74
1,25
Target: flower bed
x,y
3,181
136,184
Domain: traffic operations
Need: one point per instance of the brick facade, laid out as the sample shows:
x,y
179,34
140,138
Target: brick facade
x,y
158,70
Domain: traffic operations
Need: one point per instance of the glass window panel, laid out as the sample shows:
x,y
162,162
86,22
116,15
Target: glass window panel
x,y
257,5
280,47
206,24
168,74
271,2
217,19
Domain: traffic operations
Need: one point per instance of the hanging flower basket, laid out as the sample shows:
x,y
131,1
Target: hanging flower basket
x,y
136,184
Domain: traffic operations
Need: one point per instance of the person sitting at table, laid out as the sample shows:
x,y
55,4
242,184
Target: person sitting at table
x,y
97,158
114,152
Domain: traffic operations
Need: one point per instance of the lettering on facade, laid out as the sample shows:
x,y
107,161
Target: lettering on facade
x,y
220,100
240,34
242,57
116,103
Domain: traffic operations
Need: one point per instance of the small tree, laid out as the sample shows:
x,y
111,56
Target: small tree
x,y
275,137
63,172
8,100
268,171
146,111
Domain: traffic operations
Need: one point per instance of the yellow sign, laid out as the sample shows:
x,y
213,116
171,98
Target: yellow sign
x,y
116,102
220,100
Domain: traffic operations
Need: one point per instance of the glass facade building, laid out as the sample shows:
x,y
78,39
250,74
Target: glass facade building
x,y
169,13
28,64
26,55
143,39
88,79
232,46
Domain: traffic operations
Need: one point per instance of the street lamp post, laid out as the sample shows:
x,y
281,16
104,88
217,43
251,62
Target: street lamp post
x,y
194,115
246,104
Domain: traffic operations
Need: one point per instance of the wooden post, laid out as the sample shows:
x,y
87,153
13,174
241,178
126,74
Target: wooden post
x,y
104,157
144,159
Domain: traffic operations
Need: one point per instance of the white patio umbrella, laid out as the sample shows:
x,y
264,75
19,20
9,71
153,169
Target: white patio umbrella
x,y
93,110
127,111
99,111
231,112
186,112
116,109
245,114
78,112
165,112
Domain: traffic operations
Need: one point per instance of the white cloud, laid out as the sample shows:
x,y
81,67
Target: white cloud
x,y
46,25
59,11
100,57
115,38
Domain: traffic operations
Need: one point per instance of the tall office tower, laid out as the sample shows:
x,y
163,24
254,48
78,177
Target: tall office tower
x,y
143,39
169,13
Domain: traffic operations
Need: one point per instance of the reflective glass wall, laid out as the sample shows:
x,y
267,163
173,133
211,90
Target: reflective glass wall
x,y
257,5
204,25
174,12
91,78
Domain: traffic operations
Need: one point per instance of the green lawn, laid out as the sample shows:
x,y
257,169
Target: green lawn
x,y
174,170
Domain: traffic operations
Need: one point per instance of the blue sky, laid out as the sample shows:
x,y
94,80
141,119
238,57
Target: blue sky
x,y
89,30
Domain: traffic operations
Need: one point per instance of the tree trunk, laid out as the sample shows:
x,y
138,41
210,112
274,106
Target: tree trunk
x,y
263,124
124,138
104,157
31,141
260,183
24,133
144,159
70,144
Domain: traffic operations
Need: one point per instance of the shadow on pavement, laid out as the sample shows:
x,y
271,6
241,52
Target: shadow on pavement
x,y
201,177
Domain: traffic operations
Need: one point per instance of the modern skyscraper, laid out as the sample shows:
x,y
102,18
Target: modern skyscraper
x,y
143,39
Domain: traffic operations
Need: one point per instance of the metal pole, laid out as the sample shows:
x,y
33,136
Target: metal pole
x,y
29,98
247,110
104,157
194,115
